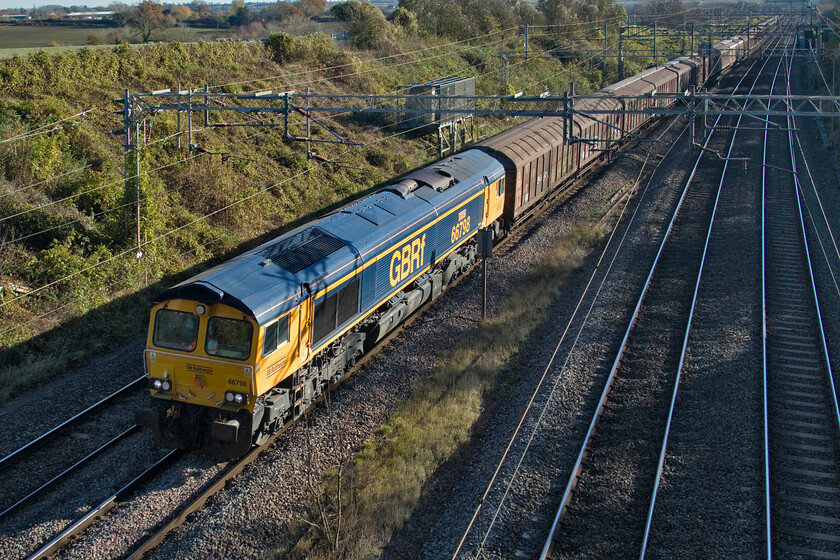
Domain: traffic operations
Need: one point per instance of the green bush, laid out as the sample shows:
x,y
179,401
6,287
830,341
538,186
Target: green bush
x,y
368,26
284,48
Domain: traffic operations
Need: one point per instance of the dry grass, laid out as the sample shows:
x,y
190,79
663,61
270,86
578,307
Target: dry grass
x,y
36,370
386,484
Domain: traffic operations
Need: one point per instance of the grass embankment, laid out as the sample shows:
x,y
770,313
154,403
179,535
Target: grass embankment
x,y
386,483
67,228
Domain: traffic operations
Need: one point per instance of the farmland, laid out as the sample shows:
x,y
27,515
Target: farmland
x,y
20,39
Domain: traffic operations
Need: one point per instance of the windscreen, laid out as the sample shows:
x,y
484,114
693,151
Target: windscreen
x,y
177,330
228,338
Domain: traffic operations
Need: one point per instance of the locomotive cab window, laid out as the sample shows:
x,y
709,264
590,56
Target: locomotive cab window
x,y
276,335
228,338
501,187
176,330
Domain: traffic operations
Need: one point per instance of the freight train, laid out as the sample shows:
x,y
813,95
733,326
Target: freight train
x,y
238,350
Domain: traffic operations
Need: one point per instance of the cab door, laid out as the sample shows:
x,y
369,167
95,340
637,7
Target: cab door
x,y
305,311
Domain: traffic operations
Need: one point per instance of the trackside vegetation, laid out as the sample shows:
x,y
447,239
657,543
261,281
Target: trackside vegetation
x,y
73,282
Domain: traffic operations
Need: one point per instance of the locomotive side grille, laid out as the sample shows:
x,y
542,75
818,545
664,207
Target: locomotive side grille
x,y
302,249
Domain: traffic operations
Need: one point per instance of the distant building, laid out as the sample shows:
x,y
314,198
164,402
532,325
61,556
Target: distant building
x,y
89,15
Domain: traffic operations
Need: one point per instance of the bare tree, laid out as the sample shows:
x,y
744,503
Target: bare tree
x,y
148,17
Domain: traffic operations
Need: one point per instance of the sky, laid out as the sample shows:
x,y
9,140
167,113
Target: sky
x,y
10,4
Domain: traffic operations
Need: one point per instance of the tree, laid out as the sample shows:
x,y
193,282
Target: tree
x,y
368,26
406,20
281,11
148,17
312,8
241,14
200,8
666,11
181,12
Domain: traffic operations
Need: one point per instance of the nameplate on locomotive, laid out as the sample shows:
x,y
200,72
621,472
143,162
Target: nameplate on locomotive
x,y
199,369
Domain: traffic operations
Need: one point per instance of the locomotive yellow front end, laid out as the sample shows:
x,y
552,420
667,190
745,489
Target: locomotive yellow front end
x,y
200,360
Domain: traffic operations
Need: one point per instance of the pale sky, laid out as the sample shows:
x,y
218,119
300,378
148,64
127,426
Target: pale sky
x,y
10,4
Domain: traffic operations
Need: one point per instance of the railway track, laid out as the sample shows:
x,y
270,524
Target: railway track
x,y
802,420
71,422
71,451
607,507
196,501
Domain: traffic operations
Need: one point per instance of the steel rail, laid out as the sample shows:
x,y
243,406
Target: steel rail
x,y
61,476
805,542
81,524
767,530
683,350
608,384
817,308
40,440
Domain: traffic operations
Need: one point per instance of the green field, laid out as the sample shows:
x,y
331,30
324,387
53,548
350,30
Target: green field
x,y
20,39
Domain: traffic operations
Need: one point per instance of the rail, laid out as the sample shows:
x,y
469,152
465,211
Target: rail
x,y
571,483
43,438
683,350
121,495
65,473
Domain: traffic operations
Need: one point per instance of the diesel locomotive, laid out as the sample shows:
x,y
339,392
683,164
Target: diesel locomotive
x,y
236,351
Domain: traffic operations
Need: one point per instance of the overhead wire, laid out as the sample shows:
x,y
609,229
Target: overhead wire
x,y
74,300
43,129
320,79
47,180
296,84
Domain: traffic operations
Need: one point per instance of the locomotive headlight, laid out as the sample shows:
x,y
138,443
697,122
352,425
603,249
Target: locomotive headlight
x,y
232,397
161,384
